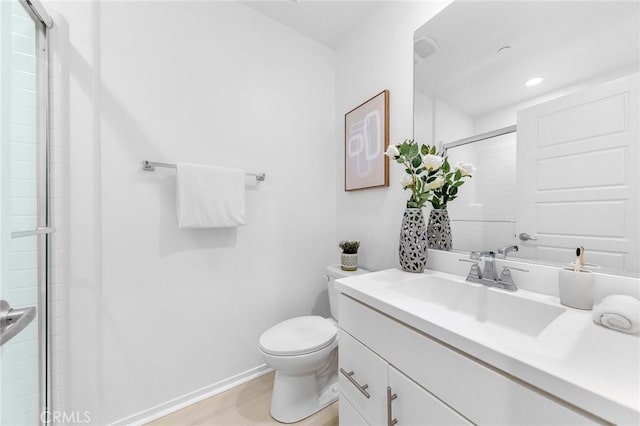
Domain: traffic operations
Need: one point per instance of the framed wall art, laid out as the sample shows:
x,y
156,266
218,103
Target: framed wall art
x,y
366,137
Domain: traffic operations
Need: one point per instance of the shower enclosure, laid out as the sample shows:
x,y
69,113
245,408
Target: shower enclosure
x,y
24,214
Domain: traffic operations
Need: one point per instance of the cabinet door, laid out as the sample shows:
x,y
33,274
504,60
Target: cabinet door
x,y
363,379
484,395
349,416
412,405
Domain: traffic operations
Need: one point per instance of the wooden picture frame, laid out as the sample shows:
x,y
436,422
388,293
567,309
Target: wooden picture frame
x,y
366,137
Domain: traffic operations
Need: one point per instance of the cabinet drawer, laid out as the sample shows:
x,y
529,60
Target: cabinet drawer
x,y
362,379
482,394
415,406
348,416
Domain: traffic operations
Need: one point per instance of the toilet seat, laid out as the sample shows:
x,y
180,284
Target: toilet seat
x,y
298,336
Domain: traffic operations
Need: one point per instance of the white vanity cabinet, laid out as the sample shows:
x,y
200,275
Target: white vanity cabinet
x,y
372,392
434,383
362,379
349,416
415,406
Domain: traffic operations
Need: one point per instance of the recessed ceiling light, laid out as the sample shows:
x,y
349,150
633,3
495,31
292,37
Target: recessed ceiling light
x,y
534,81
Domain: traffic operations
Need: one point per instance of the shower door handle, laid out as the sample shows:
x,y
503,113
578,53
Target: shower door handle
x,y
13,321
42,230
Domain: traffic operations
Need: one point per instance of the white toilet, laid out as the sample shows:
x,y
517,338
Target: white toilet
x,y
304,353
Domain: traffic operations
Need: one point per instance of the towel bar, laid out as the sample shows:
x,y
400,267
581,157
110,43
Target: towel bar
x,y
150,166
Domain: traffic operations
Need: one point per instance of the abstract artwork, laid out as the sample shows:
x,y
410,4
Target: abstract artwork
x,y
366,132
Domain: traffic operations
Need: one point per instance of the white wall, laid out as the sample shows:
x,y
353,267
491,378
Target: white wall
x,y
378,55
152,312
450,123
144,312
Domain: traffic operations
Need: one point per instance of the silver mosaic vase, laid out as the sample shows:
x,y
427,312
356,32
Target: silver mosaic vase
x,y
413,241
439,230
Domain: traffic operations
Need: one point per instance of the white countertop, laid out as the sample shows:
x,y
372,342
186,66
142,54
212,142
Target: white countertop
x,y
587,365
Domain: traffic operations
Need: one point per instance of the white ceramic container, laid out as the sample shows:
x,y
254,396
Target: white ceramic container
x,y
576,288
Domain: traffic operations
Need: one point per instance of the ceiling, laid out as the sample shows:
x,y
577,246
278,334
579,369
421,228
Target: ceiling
x,y
328,22
566,42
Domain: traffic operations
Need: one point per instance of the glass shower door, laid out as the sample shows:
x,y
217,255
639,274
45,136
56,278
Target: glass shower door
x,y
23,216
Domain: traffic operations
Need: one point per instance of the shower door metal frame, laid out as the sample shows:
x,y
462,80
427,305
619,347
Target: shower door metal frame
x,y
43,230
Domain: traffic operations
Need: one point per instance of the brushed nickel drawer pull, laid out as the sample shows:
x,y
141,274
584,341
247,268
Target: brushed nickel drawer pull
x,y
390,397
361,388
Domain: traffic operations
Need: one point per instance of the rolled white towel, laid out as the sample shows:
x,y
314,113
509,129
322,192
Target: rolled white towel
x,y
619,312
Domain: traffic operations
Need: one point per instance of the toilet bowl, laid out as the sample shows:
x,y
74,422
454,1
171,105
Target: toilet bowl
x,y
304,353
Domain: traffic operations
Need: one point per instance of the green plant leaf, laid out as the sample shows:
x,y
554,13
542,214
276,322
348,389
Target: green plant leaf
x,y
349,247
419,170
453,190
404,148
446,167
414,150
424,149
432,150
458,175
416,161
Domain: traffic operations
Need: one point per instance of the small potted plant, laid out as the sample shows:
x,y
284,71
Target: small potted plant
x,y
349,258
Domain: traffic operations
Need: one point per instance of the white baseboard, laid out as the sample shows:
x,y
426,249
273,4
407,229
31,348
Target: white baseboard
x,y
190,398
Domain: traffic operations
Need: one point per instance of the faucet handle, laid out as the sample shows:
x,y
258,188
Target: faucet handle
x,y
513,268
506,279
474,272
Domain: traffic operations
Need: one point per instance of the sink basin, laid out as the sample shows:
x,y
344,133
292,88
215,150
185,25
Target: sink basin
x,y
492,306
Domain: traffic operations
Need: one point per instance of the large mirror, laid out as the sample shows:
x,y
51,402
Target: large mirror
x,y
542,97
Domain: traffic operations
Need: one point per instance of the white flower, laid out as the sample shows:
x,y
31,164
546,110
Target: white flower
x,y
433,162
406,180
436,183
392,151
465,168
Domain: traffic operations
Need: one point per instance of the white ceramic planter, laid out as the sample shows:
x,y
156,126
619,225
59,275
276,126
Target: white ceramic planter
x,y
576,288
349,262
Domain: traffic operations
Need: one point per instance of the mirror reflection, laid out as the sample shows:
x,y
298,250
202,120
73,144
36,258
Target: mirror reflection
x,y
543,98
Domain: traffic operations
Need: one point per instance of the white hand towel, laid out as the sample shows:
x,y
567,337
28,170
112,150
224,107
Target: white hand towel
x,y
210,197
619,312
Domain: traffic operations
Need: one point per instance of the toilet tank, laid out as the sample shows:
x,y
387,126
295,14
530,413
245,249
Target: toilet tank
x,y
335,272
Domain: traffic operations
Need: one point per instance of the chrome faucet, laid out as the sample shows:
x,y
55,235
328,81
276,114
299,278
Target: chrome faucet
x,y
504,251
487,274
